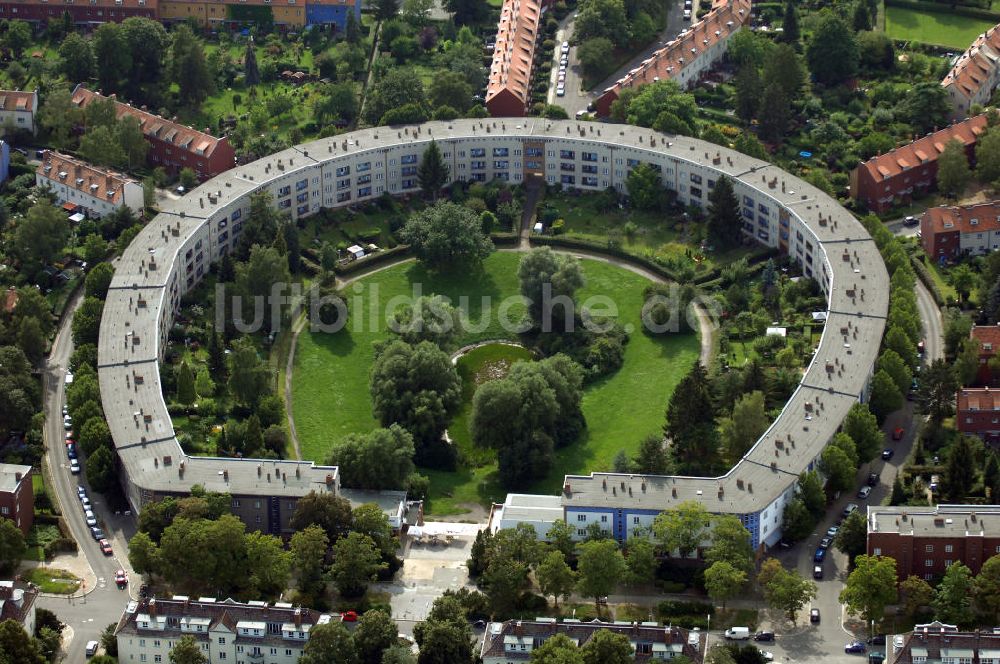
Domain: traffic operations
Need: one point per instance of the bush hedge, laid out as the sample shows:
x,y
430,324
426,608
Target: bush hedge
x,y
939,8
386,256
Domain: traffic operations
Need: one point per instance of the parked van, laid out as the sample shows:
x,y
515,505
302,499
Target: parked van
x,y
738,633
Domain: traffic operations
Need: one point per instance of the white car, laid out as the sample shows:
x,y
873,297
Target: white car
x,y
564,60
768,657
67,423
565,47
74,467
85,502
561,91
687,14
562,77
92,647
89,516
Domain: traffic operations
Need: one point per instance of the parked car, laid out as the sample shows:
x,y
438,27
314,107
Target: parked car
x,y
687,14
873,479
897,433
105,547
74,466
911,221
560,90
855,648
863,492
819,555
85,501
832,531
850,509
764,636
817,571
565,47
349,616
877,640
97,533
71,451
81,491
90,518
768,657
738,633
825,542
887,454
91,648
814,615
67,423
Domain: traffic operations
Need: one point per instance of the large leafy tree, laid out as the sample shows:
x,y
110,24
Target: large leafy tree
x,y
926,107
416,387
862,426
953,169
730,543
12,546
445,637
398,87
76,58
832,52
379,459
557,649
601,567
376,633
785,590
723,581
249,377
331,643
547,280
740,431
447,236
853,535
327,510
113,56
429,318
308,548
645,190
356,562
555,578
953,597
649,101
607,647
17,645
682,529
40,236
870,587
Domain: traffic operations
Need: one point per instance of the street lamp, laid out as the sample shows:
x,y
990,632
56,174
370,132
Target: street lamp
x,y
708,629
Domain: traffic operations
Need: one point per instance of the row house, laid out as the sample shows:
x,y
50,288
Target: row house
x,y
950,232
98,191
925,541
18,108
83,13
688,57
227,632
287,14
515,640
975,75
977,412
986,339
172,145
909,171
937,642
17,497
508,90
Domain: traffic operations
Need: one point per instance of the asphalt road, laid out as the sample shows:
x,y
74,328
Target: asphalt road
x,y
86,616
576,98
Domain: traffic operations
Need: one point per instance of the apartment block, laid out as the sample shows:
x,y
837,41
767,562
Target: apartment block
x,y
171,145
689,56
17,497
939,643
909,171
98,191
977,412
950,232
82,13
508,90
975,74
226,631
17,108
925,541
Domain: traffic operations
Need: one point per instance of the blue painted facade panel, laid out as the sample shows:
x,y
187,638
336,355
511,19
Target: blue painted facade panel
x,y
4,161
325,14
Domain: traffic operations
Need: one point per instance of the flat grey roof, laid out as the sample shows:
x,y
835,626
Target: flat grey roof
x,y
858,301
937,521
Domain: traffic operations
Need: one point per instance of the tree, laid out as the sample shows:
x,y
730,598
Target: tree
x,y
790,24
660,97
379,459
445,637
76,58
101,470
17,646
336,102
652,458
268,562
356,562
838,468
549,281
862,20
960,472
963,279
330,643
682,529
449,88
596,55
986,591
602,18
640,560
723,581
40,236
185,385
730,543
466,12
447,236
810,490
852,537
690,425
557,649
308,548
915,594
98,280
885,396
832,52
249,377
94,434
416,387
18,37
112,55
187,651
431,319
560,537
953,169
748,92
31,338
189,68
926,107
645,189
57,115
607,647
386,9
988,156
991,477
555,577
132,140
890,362
99,146
398,87
330,512
740,431
797,522
601,568
785,590
775,113
12,546
398,655
870,587
376,632
433,171
863,429
724,223
783,67
953,597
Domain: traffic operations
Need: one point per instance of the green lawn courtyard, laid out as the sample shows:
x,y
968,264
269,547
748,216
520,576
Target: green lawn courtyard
x,y
330,383
939,28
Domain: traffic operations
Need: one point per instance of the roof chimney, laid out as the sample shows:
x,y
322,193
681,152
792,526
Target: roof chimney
x,y
298,617
152,607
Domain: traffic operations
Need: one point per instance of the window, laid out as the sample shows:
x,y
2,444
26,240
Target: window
x,y
142,657
477,152
501,152
364,167
284,191
928,563
929,548
222,655
533,152
567,154
408,159
157,658
581,532
222,640
604,518
695,178
581,517
408,170
635,520
947,563
4,510
877,551
343,170
948,548
501,165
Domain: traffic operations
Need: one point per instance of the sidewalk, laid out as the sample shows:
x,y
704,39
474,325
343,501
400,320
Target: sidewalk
x,y
77,564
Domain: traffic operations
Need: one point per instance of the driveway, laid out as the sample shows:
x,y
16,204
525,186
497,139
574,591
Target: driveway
x,y
576,98
100,602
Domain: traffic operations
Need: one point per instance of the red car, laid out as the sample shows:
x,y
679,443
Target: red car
x,y
349,616
897,433
120,579
105,547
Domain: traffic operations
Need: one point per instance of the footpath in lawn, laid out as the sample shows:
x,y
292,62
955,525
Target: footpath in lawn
x,y
330,384
939,28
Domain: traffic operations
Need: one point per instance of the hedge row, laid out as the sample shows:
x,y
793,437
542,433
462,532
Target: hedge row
x,y
925,276
505,239
940,8
386,256
597,247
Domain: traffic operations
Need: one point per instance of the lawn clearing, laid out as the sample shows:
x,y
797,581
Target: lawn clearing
x,y
53,580
939,28
330,384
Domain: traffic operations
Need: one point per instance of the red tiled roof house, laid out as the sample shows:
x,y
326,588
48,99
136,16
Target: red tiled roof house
x,y
975,74
508,91
948,232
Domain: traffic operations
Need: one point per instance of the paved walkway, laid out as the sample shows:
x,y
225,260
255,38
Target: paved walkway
x,y
75,563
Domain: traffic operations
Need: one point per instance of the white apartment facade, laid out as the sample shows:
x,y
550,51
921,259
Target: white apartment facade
x,y
17,110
